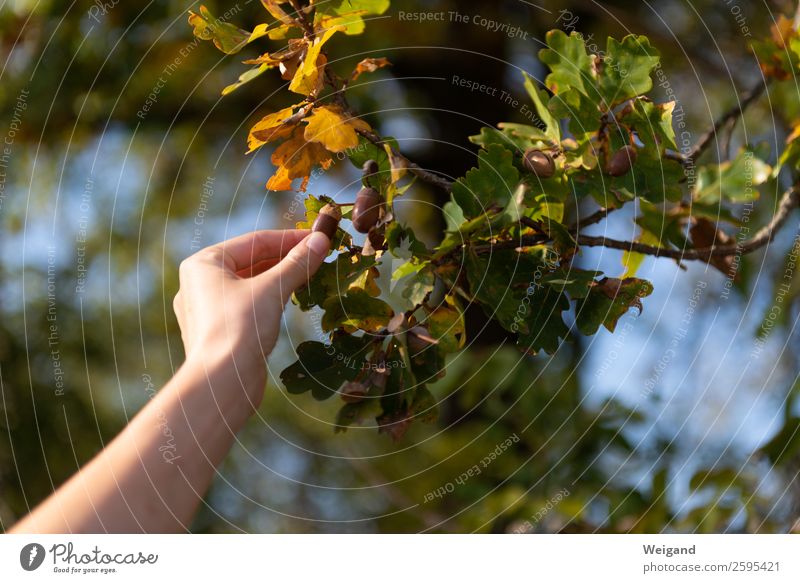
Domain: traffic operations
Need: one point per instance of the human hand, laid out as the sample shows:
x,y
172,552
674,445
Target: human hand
x,y
232,294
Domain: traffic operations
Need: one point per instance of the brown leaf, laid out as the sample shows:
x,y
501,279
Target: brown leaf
x,y
369,66
704,233
270,127
295,158
395,425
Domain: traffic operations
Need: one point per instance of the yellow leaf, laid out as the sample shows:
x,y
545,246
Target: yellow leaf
x,y
333,128
369,66
271,31
295,158
271,127
308,79
631,260
273,7
398,165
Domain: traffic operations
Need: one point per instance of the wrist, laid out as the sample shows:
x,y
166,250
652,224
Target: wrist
x,y
233,371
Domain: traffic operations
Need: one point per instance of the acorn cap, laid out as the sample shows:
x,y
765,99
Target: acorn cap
x,y
328,220
370,168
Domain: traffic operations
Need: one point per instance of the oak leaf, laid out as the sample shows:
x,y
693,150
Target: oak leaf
x,y
309,79
332,127
369,66
295,158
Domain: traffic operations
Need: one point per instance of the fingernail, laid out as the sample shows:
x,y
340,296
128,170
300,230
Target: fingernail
x,y
318,243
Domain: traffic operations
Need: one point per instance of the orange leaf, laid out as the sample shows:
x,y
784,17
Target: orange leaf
x,y
369,66
296,158
271,127
273,7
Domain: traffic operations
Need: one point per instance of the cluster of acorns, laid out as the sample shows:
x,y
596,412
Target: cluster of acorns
x,y
541,164
368,208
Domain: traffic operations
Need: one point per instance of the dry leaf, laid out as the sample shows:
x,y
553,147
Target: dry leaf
x,y
704,233
369,66
271,127
308,80
295,158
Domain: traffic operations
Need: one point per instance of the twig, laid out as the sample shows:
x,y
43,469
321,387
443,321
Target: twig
x,y
415,169
789,201
732,113
592,219
302,19
727,138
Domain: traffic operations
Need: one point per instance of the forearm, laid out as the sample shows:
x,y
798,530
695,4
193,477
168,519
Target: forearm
x,y
152,477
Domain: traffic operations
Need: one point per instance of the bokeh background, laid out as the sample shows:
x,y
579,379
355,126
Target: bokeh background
x,y
683,420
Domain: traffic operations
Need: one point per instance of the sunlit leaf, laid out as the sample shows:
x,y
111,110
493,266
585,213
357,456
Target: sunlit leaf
x,y
226,37
333,128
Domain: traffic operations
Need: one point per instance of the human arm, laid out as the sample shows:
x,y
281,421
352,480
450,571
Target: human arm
x,y
153,475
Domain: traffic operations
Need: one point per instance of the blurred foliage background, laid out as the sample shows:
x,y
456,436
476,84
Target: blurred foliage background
x,y
105,190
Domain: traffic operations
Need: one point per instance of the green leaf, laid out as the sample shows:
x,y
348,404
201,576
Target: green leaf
x,y
570,64
575,282
541,101
491,184
419,285
626,68
365,151
248,76
423,406
347,13
356,310
226,37
734,180
333,279
508,285
608,300
446,324
652,122
403,242
582,111
322,369
453,216
544,321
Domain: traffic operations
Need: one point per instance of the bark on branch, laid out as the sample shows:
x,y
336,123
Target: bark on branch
x,y
789,201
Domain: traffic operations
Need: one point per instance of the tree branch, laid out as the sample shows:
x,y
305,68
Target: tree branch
x,y
415,169
592,219
734,112
789,201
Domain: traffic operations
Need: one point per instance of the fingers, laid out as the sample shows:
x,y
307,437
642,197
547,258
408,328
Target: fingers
x,y
245,252
258,268
294,270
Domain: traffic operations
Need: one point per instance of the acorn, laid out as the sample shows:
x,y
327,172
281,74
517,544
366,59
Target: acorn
x,y
539,163
621,161
328,220
370,168
367,209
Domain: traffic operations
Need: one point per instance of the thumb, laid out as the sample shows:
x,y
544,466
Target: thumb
x,y
297,267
